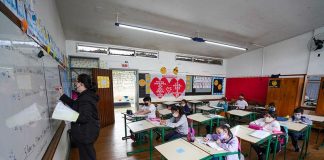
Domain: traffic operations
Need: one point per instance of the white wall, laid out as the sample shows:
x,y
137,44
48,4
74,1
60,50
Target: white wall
x,y
149,65
47,12
287,57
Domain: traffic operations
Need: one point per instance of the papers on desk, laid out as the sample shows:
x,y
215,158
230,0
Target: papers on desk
x,y
62,112
260,134
211,144
213,116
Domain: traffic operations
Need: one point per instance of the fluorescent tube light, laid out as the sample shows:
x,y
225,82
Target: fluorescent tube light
x,y
225,45
152,31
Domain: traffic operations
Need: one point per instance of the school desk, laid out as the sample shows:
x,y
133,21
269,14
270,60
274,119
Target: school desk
x,y
194,104
168,103
206,109
299,127
160,127
130,118
213,152
200,118
319,119
141,126
181,149
243,132
241,113
165,112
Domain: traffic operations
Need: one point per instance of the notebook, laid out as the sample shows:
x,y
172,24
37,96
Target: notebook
x,y
260,134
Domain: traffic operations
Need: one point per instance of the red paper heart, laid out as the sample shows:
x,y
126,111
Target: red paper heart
x,y
178,87
158,86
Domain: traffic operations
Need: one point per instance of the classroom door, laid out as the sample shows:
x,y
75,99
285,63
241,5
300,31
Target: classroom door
x,y
125,90
320,100
103,78
286,96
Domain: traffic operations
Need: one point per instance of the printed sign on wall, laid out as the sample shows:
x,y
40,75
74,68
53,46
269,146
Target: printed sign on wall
x,y
274,84
167,86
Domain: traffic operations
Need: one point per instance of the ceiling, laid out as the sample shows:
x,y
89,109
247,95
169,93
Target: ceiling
x,y
242,23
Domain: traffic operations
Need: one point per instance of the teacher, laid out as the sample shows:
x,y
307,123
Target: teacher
x,y
85,131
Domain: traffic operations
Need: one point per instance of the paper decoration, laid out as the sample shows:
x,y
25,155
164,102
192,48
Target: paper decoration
x,y
175,71
142,82
188,83
21,9
148,84
103,82
163,70
162,86
12,5
218,86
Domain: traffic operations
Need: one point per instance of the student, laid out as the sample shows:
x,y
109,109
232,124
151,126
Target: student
x,y
298,117
223,103
241,103
226,140
272,107
147,109
178,121
185,106
270,124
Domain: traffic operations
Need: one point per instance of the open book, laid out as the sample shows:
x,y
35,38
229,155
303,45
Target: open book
x,y
260,134
211,144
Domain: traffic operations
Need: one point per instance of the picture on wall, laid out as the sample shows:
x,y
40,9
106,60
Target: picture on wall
x,y
274,84
218,86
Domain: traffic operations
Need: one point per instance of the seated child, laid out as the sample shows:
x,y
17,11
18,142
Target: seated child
x,y
178,121
186,108
148,109
298,117
270,124
225,139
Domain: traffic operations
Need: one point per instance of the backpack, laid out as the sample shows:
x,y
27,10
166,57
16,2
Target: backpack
x,y
191,133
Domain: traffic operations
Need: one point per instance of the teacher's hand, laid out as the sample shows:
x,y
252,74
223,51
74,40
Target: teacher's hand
x,y
59,90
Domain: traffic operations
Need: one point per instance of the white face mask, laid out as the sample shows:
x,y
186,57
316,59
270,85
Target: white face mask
x,y
183,105
268,119
175,114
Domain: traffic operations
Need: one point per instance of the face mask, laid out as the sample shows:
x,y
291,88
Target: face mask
x,y
183,105
175,114
297,116
268,119
221,136
146,104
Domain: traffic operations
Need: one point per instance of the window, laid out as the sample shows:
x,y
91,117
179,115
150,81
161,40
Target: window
x,y
147,54
91,49
207,60
311,92
121,52
183,58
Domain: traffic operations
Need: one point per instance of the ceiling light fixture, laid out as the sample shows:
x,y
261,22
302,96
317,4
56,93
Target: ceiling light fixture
x,y
196,39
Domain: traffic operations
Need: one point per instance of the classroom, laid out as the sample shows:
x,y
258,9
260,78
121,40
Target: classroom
x,y
175,80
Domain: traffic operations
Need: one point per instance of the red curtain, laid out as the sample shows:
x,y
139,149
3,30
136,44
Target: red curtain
x,y
254,89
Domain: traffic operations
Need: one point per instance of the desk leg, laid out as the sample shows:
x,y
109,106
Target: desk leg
x,y
268,148
275,149
126,137
211,126
303,146
163,132
309,129
198,129
151,143
217,122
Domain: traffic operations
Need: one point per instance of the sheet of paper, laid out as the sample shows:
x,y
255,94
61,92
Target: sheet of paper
x,y
260,134
65,113
214,145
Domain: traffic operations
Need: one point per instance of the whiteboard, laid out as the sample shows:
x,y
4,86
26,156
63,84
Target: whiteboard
x,y
27,96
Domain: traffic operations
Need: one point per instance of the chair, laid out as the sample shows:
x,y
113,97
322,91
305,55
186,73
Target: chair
x,y
282,138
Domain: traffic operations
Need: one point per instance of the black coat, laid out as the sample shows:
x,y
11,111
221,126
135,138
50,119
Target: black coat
x,y
86,129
